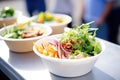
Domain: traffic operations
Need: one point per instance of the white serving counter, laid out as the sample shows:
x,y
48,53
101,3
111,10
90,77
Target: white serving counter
x,y
28,66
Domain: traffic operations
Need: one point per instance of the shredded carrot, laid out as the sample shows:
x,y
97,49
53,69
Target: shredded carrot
x,y
47,50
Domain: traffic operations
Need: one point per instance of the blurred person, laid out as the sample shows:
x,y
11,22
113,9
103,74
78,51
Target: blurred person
x,y
35,6
64,7
113,22
97,10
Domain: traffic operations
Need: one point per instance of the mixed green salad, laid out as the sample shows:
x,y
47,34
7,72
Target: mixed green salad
x,y
22,31
7,12
74,44
80,42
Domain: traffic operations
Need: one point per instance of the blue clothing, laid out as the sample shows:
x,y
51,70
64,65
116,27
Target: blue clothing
x,y
113,21
93,11
35,6
102,32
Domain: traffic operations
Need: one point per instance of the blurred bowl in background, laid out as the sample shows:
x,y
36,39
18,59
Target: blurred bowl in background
x,y
24,45
57,27
10,20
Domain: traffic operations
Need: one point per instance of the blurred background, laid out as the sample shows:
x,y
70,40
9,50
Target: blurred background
x,y
50,5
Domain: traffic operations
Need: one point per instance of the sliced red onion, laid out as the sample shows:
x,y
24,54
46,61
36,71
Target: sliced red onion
x,y
59,51
53,42
66,53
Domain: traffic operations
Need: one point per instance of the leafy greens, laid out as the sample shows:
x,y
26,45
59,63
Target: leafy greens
x,y
82,40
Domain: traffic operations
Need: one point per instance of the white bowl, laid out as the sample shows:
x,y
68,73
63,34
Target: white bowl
x,y
67,67
57,28
10,20
24,45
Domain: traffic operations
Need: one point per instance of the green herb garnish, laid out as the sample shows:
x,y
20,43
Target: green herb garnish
x,y
82,39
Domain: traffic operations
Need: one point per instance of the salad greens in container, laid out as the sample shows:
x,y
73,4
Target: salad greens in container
x,y
80,42
8,16
20,37
56,21
72,53
74,44
23,31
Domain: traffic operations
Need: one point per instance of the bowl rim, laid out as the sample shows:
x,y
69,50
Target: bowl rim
x,y
49,31
69,19
68,60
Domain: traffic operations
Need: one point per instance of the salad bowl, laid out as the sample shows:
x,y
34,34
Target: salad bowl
x,y
16,43
68,62
56,21
5,19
